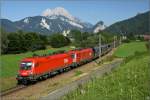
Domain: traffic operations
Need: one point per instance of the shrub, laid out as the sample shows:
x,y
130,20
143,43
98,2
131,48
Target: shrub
x,y
126,41
148,45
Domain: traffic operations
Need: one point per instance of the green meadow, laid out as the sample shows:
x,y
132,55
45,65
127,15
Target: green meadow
x,y
128,49
130,81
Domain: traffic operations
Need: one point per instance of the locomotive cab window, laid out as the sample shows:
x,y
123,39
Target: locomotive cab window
x,y
26,65
72,55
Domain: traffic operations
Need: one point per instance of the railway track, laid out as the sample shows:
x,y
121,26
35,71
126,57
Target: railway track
x,y
12,90
20,87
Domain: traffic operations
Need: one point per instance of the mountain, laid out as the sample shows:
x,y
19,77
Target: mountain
x,y
51,21
8,25
99,27
138,24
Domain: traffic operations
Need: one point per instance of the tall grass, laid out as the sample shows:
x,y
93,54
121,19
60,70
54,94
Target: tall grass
x,y
129,82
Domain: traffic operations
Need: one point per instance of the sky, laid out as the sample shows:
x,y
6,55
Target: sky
x,y
108,11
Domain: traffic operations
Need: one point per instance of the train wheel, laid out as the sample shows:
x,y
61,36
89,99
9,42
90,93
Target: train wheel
x,y
45,77
60,71
71,67
49,75
76,65
33,82
25,82
19,82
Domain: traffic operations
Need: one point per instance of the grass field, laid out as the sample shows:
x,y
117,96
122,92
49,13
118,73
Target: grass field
x,y
129,82
128,49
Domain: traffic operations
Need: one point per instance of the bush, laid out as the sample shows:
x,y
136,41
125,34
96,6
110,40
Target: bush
x,y
126,41
148,46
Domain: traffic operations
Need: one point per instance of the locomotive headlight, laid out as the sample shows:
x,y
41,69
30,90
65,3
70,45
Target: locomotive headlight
x,y
30,73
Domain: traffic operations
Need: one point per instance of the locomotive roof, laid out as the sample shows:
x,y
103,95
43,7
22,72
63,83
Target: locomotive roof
x,y
53,56
43,57
79,50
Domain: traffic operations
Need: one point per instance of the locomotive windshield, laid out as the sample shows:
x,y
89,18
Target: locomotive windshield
x,y
72,55
26,65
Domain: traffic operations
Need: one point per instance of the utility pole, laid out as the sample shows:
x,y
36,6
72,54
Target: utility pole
x,y
100,46
120,40
114,42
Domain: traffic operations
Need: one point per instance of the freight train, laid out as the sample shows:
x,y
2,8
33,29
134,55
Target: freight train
x,y
41,67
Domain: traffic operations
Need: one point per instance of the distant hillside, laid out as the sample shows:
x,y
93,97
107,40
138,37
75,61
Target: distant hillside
x,y
135,25
9,25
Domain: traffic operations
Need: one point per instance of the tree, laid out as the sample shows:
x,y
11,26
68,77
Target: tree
x,y
106,37
14,45
43,38
58,40
21,42
4,41
80,38
76,35
34,41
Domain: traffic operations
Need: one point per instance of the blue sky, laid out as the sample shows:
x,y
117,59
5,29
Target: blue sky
x,y
109,11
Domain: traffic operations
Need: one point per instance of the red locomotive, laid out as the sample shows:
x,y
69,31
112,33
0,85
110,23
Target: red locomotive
x,y
34,68
81,56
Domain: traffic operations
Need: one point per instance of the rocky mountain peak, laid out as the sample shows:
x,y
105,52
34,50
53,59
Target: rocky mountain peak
x,y
58,11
